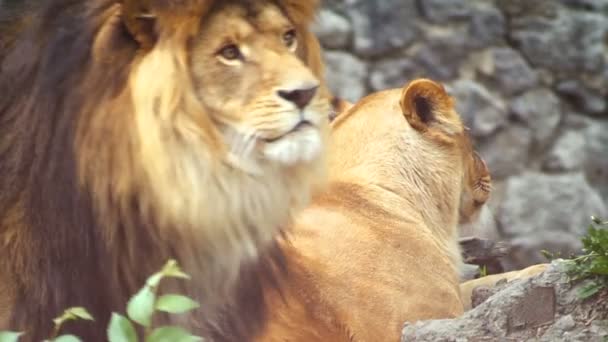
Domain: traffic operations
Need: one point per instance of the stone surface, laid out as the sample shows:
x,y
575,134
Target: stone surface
x,y
481,111
569,41
333,30
392,73
567,154
487,25
581,97
440,11
345,75
596,161
540,109
506,152
533,214
530,79
509,71
383,25
542,308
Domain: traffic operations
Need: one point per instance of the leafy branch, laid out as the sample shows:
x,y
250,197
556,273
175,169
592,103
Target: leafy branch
x,y
140,310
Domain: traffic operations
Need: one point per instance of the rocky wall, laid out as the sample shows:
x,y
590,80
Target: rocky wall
x,y
531,81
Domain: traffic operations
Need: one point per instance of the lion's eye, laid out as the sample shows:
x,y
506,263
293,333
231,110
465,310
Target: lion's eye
x,y
230,52
290,38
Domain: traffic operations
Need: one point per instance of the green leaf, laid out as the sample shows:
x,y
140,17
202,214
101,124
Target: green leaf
x,y
67,338
121,329
589,290
172,269
548,255
171,334
154,279
81,313
173,303
10,336
599,265
141,306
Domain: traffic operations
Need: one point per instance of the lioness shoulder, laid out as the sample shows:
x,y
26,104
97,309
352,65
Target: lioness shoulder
x,y
379,246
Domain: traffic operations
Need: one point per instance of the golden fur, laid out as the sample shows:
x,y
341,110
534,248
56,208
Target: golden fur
x,y
130,135
379,247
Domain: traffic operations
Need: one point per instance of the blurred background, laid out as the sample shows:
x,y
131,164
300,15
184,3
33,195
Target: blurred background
x,y
531,81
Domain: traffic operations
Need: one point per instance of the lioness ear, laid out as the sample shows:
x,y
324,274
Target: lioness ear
x,y
139,21
425,103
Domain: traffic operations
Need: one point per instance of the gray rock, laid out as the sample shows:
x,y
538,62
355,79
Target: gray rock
x,y
547,212
581,97
346,75
487,25
541,110
506,152
509,71
333,30
589,5
569,42
481,111
443,53
542,308
596,164
392,73
440,11
383,25
567,154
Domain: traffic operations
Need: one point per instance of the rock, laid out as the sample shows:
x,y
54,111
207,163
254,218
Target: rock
x,y
542,308
382,26
487,25
567,154
581,97
588,5
440,11
533,212
346,75
443,53
392,73
596,164
481,111
541,110
569,42
506,152
509,71
333,30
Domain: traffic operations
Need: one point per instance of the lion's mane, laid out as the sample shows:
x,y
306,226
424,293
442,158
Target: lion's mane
x,y
89,207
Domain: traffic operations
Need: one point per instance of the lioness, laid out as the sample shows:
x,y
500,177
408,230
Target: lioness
x,y
134,131
379,247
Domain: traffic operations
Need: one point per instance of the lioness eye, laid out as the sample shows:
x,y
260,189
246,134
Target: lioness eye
x,y
289,38
230,52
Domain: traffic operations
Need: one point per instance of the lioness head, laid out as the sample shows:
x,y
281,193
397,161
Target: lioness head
x,y
416,140
430,111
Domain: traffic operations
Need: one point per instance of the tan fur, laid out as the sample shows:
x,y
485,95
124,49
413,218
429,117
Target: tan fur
x,y
182,154
466,288
379,247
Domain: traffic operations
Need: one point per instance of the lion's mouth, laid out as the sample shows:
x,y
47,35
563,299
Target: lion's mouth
x,y
303,124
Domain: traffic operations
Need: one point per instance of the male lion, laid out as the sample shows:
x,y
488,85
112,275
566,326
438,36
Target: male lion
x,y
136,131
379,247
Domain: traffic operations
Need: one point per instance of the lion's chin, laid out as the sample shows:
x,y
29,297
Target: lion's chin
x,y
300,146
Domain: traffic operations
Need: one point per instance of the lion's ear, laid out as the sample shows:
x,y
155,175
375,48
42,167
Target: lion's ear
x,y
139,21
425,103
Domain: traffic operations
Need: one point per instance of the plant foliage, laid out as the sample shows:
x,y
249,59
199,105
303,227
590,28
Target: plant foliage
x,y
140,311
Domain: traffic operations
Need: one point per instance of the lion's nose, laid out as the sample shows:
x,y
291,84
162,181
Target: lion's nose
x,y
300,97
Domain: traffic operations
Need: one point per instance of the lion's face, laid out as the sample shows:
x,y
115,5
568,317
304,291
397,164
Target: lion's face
x,y
250,79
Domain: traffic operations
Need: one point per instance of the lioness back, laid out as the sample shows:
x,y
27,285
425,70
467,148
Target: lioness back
x,y
132,132
379,246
